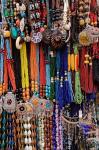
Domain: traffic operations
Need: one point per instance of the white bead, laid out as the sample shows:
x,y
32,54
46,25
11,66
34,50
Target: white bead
x,y
26,147
29,140
67,26
26,140
30,147
25,132
28,118
29,132
25,125
29,125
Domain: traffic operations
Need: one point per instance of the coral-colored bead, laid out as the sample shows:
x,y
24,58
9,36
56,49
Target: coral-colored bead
x,y
32,89
18,22
23,94
27,89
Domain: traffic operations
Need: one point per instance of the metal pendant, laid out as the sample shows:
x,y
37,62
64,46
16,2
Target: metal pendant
x,y
36,37
9,103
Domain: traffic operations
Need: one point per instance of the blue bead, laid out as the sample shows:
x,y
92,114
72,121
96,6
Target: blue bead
x,y
3,128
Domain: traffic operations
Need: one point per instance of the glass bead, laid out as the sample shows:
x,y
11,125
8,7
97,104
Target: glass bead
x,y
25,126
26,140
29,132
25,132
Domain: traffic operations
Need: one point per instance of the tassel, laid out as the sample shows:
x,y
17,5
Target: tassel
x,y
47,80
42,73
72,61
78,94
60,93
67,87
57,74
70,86
52,76
69,56
33,68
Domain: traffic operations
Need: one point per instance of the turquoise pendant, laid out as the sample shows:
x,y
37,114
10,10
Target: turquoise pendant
x,y
14,32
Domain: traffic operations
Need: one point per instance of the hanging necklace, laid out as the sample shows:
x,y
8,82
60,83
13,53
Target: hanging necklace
x,y
24,72
34,68
1,63
4,130
27,134
41,132
42,73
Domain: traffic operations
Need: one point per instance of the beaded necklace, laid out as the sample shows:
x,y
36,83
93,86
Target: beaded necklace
x,y
42,73
24,72
10,133
41,142
1,64
4,130
48,132
27,134
34,68
33,124
47,74
52,75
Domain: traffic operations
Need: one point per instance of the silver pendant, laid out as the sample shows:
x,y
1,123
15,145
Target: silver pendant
x,y
9,103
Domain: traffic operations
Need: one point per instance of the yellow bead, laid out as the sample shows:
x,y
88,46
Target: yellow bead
x,y
86,62
81,22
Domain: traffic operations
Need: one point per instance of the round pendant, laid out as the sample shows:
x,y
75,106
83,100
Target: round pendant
x,y
21,110
47,36
9,102
36,37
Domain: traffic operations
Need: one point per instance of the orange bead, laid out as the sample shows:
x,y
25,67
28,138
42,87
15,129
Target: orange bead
x,y
28,97
23,94
32,82
27,89
0,93
23,90
18,22
32,89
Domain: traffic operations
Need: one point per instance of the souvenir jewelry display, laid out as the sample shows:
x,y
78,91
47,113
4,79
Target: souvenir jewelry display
x,y
49,75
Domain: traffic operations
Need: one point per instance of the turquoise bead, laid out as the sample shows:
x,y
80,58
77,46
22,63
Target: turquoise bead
x,y
4,136
4,120
3,128
14,32
3,145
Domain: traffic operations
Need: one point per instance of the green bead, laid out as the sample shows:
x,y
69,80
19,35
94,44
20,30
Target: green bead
x,y
6,13
12,13
3,145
